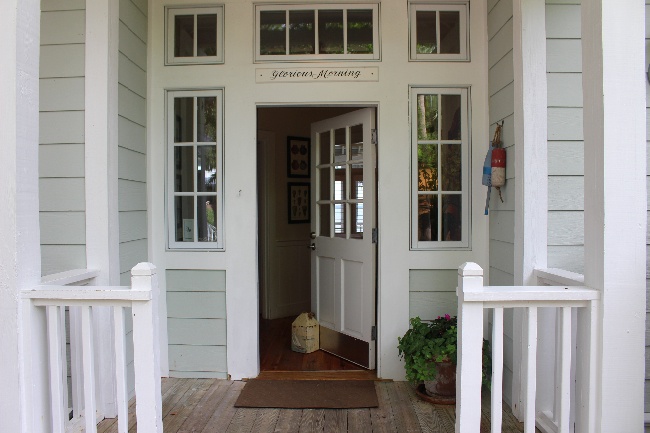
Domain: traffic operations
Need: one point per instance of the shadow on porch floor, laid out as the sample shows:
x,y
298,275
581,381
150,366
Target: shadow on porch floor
x,y
207,405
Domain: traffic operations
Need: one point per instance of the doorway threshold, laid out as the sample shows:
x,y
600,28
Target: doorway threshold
x,y
319,375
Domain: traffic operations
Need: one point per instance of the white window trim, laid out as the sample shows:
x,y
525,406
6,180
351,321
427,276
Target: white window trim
x,y
171,12
376,55
463,8
466,232
169,181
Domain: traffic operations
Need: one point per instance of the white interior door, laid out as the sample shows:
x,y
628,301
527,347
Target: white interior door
x,y
343,252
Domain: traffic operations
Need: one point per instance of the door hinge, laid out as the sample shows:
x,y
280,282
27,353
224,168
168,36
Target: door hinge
x,y
373,333
375,235
374,137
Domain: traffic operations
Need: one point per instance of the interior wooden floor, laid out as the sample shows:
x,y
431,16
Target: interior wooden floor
x,y
207,405
278,361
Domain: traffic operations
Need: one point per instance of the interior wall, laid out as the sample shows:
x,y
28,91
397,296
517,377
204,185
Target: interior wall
x,y
285,265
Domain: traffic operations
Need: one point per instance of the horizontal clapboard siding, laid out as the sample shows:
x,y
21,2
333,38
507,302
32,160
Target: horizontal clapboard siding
x,y
61,143
196,322
565,136
432,293
502,214
131,151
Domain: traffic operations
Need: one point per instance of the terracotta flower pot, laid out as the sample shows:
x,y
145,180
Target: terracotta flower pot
x,y
445,382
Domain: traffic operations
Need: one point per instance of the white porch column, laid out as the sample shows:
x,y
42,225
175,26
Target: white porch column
x,y
613,77
531,204
23,388
101,132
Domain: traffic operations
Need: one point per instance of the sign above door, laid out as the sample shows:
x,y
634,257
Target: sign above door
x,y
311,75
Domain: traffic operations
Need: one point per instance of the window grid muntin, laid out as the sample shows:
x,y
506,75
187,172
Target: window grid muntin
x,y
465,143
172,194
345,7
171,12
462,7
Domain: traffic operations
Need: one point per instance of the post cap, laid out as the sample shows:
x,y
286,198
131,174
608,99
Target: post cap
x,y
143,269
470,269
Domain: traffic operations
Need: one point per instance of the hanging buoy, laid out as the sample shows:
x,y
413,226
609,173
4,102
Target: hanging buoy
x,y
498,167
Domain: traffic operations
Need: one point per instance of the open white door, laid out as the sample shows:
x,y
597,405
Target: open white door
x,y
343,251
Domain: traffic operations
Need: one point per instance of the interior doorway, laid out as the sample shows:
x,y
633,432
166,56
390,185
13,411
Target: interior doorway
x,y
285,237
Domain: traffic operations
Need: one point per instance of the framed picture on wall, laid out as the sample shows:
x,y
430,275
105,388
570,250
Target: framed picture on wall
x,y
299,198
298,157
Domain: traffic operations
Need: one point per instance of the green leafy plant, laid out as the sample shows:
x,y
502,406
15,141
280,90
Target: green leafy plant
x,y
427,343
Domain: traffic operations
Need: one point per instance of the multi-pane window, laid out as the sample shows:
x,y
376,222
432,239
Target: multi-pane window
x,y
195,169
340,171
194,35
317,31
439,31
440,164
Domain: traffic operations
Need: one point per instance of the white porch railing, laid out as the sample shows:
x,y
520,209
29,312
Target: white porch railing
x,y
60,291
474,298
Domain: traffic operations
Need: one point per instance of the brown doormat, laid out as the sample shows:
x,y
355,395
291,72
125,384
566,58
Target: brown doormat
x,y
308,394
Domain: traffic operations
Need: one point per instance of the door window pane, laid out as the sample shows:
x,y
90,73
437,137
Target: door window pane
x,y
207,221
427,217
356,142
301,32
356,179
451,217
206,119
450,117
330,32
339,220
183,120
356,229
449,32
325,185
183,168
450,165
184,211
184,36
206,172
339,183
360,33
325,220
426,32
206,35
325,148
428,167
427,117
273,27
340,153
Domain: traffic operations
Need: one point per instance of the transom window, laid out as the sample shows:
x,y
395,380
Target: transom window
x,y
194,35
317,31
195,169
440,168
439,31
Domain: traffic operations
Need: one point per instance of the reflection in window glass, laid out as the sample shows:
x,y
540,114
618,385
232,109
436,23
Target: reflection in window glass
x,y
340,147
426,32
206,168
206,35
184,211
206,119
428,167
451,217
356,142
427,117
450,113
427,217
183,120
330,32
184,36
273,27
356,179
450,164
449,32
360,32
206,210
183,168
301,32
356,230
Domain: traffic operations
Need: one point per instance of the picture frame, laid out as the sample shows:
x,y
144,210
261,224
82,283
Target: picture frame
x,y
298,157
299,202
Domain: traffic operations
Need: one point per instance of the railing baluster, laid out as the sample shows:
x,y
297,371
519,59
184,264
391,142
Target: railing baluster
x,y
120,366
54,350
497,369
530,364
565,370
64,362
90,405
76,361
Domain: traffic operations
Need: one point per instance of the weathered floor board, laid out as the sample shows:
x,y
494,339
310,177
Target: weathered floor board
x,y
207,405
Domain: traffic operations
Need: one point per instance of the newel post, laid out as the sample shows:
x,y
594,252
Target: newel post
x,y
147,350
470,344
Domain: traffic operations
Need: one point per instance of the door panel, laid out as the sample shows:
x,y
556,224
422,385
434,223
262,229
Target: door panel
x,y
344,258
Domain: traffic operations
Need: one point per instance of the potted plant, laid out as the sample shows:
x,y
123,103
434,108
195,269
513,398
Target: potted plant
x,y
429,352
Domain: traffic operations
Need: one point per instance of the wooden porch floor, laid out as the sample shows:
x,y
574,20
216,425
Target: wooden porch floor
x,y
207,405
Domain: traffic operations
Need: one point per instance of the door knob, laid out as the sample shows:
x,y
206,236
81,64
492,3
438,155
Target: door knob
x,y
312,235
312,246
